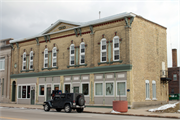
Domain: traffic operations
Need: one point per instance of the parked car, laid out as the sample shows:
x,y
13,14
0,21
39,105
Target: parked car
x,y
66,101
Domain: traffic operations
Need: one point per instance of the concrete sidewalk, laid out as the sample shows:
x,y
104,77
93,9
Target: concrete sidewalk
x,y
131,112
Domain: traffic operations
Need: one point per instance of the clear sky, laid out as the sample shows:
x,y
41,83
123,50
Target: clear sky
x,y
24,18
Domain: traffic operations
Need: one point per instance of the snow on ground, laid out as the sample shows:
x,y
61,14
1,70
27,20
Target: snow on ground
x,y
114,111
164,107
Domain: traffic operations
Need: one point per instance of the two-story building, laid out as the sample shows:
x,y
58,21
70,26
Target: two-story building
x,y
120,55
5,66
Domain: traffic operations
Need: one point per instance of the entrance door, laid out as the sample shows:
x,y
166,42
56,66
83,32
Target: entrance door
x,y
13,91
48,96
32,97
76,89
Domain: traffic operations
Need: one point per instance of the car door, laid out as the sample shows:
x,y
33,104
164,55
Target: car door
x,y
62,100
56,101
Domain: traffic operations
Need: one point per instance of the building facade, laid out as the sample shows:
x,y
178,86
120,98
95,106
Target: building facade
x,y
174,73
121,55
5,64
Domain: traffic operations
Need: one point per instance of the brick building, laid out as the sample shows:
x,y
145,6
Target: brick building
x,y
120,54
5,64
174,73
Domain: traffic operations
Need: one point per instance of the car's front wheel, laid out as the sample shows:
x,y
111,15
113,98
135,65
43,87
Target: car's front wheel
x,y
46,107
67,108
58,109
79,110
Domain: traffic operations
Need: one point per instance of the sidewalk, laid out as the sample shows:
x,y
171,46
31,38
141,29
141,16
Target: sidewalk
x,y
131,112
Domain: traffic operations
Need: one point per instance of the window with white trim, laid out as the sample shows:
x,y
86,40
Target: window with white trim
x,y
147,90
98,89
116,46
2,63
121,88
85,88
41,89
72,54
154,89
46,58
54,57
82,53
103,50
31,61
24,61
24,91
109,88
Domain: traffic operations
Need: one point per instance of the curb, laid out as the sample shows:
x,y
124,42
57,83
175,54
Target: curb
x,y
106,113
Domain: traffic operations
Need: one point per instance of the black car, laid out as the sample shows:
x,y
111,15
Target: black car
x,y
66,101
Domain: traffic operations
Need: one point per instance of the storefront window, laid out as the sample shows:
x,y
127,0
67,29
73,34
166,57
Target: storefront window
x,y
98,89
19,92
109,89
67,88
23,91
121,88
85,89
41,88
28,91
56,87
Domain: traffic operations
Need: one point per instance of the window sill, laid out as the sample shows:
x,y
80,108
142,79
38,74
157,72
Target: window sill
x,y
27,70
147,99
50,68
154,99
120,61
76,65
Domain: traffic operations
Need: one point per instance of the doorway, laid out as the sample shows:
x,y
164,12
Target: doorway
x,y
76,89
32,97
48,94
13,91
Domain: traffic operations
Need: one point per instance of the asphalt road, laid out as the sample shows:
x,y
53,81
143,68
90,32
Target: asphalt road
x,y
32,114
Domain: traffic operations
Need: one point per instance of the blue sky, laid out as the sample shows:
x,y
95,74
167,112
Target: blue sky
x,y
24,18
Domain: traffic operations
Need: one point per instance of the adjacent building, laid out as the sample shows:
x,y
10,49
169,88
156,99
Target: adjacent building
x,y
121,55
5,64
174,73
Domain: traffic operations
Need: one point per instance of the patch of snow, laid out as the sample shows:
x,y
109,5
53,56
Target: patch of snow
x,y
179,111
114,111
164,107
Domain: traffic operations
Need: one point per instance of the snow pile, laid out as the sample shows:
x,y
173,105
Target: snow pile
x,y
166,108
114,111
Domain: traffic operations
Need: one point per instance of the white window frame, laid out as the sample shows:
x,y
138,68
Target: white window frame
x,y
147,90
174,77
30,61
45,58
21,91
154,90
3,61
95,89
54,48
71,55
24,62
125,88
56,84
114,49
103,50
82,87
113,88
82,53
44,90
71,90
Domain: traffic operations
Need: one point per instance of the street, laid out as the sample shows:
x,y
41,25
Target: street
x,y
34,114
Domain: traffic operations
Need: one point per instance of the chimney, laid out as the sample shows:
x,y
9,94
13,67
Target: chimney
x,y
174,57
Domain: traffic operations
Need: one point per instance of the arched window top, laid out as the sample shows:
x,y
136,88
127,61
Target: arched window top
x,y
147,81
104,39
153,82
72,49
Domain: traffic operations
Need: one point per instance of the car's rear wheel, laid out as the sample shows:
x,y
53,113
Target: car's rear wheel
x,y
67,108
46,107
79,110
58,109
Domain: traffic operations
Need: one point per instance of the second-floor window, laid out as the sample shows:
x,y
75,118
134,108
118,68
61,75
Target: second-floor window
x,y
31,61
103,50
82,53
24,61
46,58
2,63
72,54
116,48
54,57
174,77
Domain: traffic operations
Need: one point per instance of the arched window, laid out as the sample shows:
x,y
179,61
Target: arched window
x,y
147,90
82,53
103,50
24,61
31,61
116,46
46,58
154,89
72,54
54,57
